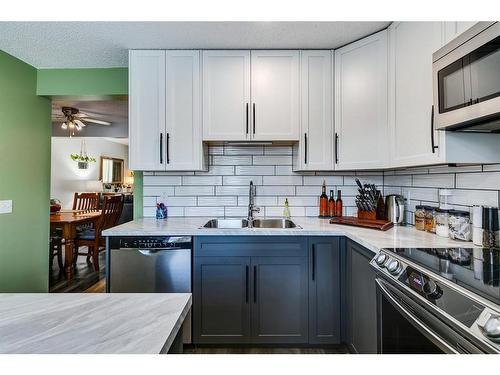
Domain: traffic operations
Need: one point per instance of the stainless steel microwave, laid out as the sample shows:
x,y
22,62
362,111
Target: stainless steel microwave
x,y
466,81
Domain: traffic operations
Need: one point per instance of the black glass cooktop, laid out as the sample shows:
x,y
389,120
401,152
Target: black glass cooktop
x,y
477,270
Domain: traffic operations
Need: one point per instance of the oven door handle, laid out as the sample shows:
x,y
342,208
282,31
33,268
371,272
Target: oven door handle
x,y
416,322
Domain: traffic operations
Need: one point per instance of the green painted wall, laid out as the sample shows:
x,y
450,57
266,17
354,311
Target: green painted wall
x,y
25,129
77,83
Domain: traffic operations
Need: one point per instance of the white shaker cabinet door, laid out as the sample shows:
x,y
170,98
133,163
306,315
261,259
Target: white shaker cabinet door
x,y
146,110
315,148
275,95
183,135
413,140
226,95
361,104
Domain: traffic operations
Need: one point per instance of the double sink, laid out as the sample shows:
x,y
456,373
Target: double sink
x,y
255,223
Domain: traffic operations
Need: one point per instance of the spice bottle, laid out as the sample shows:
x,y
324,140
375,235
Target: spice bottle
x,y
420,217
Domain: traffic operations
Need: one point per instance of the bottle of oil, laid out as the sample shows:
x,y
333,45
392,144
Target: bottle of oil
x,y
331,205
338,204
323,201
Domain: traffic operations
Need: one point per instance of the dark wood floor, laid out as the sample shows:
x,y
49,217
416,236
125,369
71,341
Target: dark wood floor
x,y
85,278
340,349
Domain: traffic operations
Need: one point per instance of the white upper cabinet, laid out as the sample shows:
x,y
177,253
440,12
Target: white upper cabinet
x,y
183,143
315,150
226,95
361,103
413,141
165,111
146,109
275,95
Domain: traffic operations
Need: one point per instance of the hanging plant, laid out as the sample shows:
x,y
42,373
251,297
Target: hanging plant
x,y
83,159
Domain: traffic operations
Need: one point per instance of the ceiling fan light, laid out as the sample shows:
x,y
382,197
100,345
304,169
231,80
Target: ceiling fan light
x,y
78,127
81,124
64,126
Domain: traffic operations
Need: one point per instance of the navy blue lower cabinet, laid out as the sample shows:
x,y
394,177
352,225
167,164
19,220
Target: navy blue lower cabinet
x,y
279,308
324,290
221,300
250,290
361,311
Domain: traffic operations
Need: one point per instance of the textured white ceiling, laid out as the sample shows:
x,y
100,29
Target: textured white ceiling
x,y
105,44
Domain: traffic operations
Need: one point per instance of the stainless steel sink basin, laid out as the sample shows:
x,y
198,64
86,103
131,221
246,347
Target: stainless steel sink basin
x,y
256,223
274,223
226,223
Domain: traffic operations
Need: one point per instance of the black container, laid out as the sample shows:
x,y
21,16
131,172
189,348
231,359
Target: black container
x,y
490,227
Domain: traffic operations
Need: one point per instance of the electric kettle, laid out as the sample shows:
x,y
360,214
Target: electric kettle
x,y
395,209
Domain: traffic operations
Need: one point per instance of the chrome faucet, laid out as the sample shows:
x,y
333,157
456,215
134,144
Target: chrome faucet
x,y
251,204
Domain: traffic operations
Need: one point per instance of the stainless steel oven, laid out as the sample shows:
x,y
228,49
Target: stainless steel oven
x,y
419,312
466,80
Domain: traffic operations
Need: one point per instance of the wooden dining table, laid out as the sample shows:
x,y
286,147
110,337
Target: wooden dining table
x,y
68,221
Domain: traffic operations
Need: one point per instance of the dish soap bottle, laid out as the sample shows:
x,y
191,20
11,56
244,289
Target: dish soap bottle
x,y
286,210
323,201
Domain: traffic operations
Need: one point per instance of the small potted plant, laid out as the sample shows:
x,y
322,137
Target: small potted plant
x,y
83,159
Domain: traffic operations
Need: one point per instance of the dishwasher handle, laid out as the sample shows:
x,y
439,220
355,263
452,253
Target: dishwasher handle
x,y
154,252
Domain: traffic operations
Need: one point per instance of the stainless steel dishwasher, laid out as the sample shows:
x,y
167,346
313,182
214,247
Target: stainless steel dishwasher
x,y
141,264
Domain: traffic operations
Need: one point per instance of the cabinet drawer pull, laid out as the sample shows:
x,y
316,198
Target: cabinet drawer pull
x,y
313,262
247,118
168,148
161,148
433,147
255,284
305,148
253,117
246,284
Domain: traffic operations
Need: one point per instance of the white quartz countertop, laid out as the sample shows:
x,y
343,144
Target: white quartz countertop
x,y
369,238
91,323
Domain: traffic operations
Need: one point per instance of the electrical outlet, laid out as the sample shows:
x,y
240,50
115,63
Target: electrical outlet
x,y
6,207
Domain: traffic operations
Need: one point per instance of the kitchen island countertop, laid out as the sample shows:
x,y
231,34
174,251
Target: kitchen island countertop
x,y
374,240
91,323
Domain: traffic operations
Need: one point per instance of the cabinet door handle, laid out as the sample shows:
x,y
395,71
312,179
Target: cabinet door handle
x,y
254,284
313,262
336,148
161,148
247,119
246,284
168,148
305,148
253,117
433,147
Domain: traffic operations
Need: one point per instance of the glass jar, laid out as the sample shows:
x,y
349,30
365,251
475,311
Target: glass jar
x,y
430,223
420,217
442,229
459,226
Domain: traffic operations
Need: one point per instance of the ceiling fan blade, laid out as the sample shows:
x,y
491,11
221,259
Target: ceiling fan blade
x,y
80,123
100,122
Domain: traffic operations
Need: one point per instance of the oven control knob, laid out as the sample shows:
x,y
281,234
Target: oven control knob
x,y
432,290
380,259
492,328
394,267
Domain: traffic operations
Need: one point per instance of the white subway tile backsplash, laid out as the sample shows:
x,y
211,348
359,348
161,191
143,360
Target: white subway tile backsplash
x,y
217,201
318,180
254,170
231,160
241,180
434,180
282,180
223,189
161,180
489,180
202,180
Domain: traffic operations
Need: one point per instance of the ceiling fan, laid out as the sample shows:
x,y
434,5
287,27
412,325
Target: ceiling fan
x,y
74,119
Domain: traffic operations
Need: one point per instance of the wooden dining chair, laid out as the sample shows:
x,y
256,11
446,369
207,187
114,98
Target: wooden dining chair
x,y
86,201
92,238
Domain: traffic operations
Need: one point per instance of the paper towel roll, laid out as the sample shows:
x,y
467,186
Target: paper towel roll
x,y
477,217
477,236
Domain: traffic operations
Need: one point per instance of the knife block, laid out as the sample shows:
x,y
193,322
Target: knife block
x,y
367,215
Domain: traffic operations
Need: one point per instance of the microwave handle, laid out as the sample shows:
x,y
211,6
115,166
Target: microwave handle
x,y
433,147
411,317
